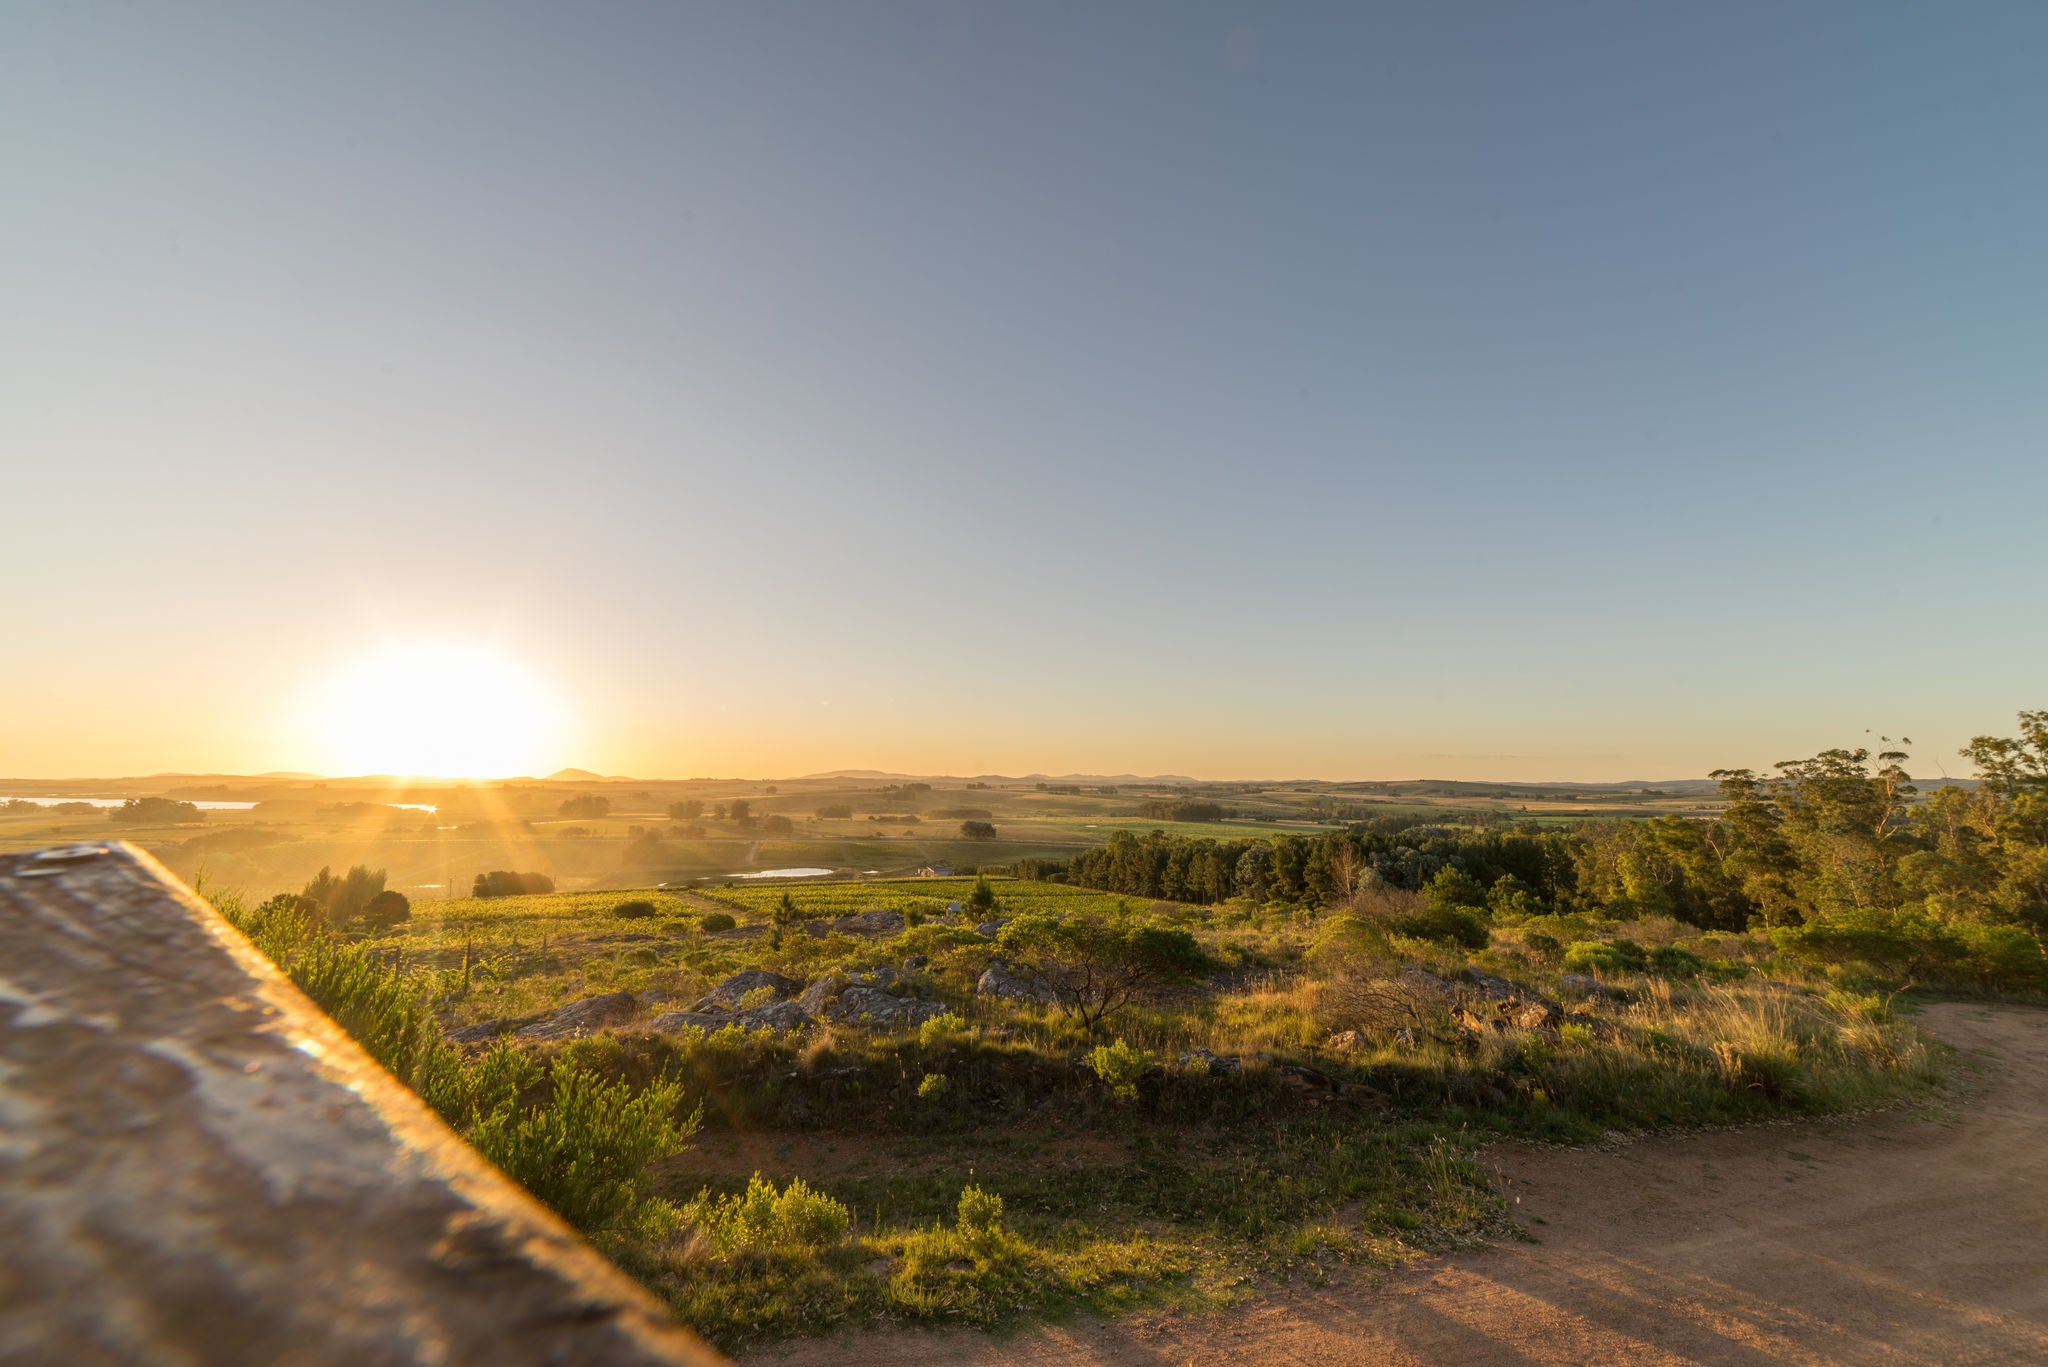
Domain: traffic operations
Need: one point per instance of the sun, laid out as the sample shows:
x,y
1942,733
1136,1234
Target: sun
x,y
438,708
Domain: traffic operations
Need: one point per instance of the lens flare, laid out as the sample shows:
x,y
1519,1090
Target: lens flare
x,y
441,709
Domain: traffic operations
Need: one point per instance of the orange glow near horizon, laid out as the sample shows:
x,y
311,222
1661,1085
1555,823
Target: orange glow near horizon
x,y
438,709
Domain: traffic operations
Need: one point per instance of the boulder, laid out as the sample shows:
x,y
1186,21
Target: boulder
x,y
878,1010
483,1030
585,1017
1586,985
1347,1041
988,930
783,1015
875,922
998,981
728,995
916,963
1214,1063
1532,1013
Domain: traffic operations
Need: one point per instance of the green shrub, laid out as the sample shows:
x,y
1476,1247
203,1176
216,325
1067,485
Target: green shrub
x,y
1675,962
1448,923
634,910
1120,1066
1545,945
717,920
933,1087
584,1151
1596,956
980,1215
796,1222
940,1031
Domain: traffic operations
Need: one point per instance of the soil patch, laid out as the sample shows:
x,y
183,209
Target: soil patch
x,y
1904,1237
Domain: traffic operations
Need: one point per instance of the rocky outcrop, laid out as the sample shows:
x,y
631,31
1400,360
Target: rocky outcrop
x,y
998,980
579,1018
875,1009
782,1015
1588,986
1204,1060
988,930
728,995
875,922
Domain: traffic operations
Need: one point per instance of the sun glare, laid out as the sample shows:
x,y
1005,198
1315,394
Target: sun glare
x,y
439,709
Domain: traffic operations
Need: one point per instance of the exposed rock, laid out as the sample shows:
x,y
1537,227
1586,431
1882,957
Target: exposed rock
x,y
1532,1013
728,995
916,963
813,998
783,1015
585,1017
998,981
876,1009
1348,1041
1307,1078
875,922
483,1030
1214,1063
988,930
1586,985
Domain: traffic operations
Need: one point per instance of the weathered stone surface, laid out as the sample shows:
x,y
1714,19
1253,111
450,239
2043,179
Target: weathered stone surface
x,y
878,1010
988,930
586,1017
1212,1062
786,1015
1348,1041
875,922
485,1030
1586,985
200,1167
728,995
916,963
997,980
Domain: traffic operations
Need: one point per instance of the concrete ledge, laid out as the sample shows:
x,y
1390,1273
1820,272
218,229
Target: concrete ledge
x,y
198,1166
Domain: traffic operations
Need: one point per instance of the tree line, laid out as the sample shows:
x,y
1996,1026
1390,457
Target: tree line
x,y
1838,856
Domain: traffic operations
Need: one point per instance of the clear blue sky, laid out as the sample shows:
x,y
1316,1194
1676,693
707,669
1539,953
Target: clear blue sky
x,y
1585,391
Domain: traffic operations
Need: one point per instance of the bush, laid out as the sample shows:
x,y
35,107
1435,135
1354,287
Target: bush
x,y
585,1150
1595,956
796,1222
387,909
1120,1066
979,1216
1674,962
1447,923
634,910
835,811
505,883
717,920
940,1030
977,830
933,1087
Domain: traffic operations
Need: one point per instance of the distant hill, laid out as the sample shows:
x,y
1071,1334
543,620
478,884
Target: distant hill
x,y
573,776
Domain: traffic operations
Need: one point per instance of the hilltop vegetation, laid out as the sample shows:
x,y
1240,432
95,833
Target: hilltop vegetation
x,y
1199,1065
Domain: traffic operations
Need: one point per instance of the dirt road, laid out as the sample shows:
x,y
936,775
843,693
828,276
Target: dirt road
x,y
1902,1238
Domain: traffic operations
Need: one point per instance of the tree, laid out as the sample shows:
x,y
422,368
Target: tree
x,y
586,806
786,913
741,809
689,809
154,811
505,883
983,898
387,909
977,830
343,899
1092,967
